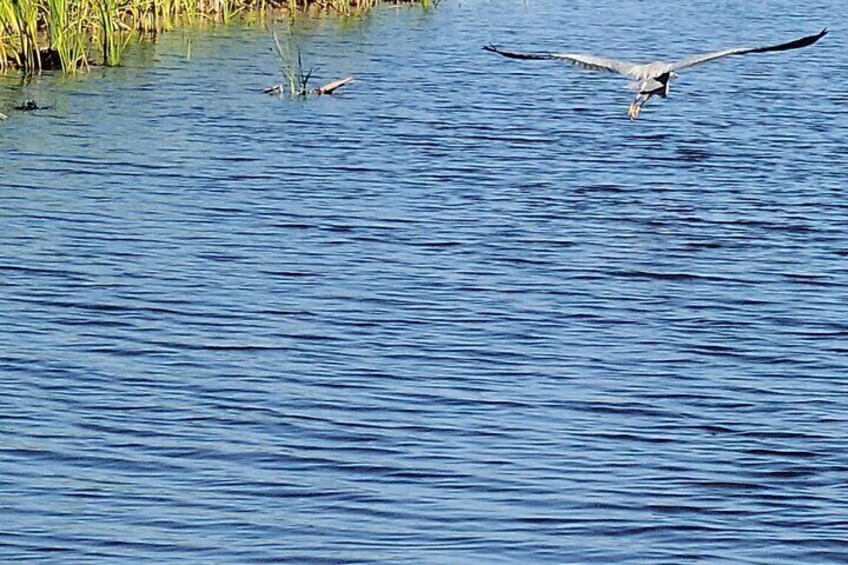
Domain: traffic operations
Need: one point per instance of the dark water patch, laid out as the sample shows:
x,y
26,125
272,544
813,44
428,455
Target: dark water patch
x,y
671,276
693,154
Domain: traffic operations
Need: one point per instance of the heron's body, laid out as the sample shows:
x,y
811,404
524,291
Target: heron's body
x,y
653,79
658,85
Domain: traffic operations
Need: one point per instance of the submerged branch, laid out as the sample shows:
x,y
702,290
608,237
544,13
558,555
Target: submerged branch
x,y
331,87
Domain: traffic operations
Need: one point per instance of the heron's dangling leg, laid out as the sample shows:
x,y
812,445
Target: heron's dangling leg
x,y
637,104
633,112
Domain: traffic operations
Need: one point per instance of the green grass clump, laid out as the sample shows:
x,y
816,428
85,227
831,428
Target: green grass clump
x,y
36,35
291,61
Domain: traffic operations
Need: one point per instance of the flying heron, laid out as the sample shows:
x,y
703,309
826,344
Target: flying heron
x,y
653,78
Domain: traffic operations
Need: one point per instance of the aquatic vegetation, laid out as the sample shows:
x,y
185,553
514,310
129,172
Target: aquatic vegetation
x,y
65,32
291,61
296,75
110,43
19,20
37,35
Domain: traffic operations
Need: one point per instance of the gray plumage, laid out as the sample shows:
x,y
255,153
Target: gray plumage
x,y
653,78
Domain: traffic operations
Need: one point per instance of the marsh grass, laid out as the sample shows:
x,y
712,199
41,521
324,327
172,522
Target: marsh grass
x,y
291,62
22,16
65,32
36,35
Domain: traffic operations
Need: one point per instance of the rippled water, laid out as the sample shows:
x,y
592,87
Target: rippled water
x,y
465,312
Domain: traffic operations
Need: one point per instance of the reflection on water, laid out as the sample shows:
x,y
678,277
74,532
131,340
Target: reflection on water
x,y
465,312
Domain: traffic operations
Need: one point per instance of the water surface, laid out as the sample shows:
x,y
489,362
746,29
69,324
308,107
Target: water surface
x,y
464,312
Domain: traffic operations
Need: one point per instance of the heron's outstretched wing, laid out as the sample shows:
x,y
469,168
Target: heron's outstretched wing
x,y
590,62
705,57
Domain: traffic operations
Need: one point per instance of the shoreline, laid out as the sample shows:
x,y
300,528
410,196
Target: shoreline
x,y
73,35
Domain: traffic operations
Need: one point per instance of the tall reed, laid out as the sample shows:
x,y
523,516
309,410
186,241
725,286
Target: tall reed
x,y
9,53
291,61
24,22
112,40
65,22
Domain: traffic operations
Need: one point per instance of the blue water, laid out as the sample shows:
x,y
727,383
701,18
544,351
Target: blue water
x,y
464,312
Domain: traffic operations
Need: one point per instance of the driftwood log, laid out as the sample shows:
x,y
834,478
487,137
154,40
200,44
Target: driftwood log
x,y
328,88
331,87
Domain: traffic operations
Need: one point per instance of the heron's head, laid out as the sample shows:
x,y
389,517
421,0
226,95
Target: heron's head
x,y
673,74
